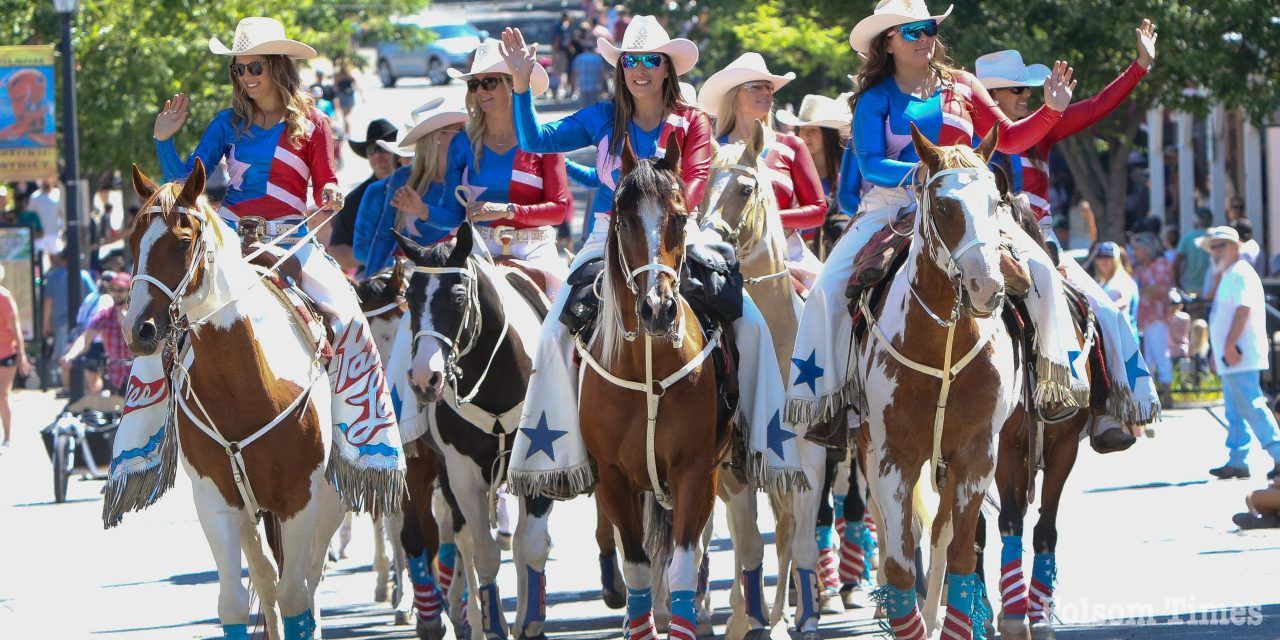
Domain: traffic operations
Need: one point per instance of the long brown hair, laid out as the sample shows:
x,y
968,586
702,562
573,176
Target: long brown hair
x,y
878,65
476,123
297,103
624,105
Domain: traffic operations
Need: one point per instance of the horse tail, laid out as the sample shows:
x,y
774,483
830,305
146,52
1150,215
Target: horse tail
x,y
659,532
271,522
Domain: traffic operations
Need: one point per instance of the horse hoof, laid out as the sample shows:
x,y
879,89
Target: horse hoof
x,y
403,617
430,629
504,540
829,602
757,634
880,614
1042,631
807,635
852,597
380,593
333,556
1014,628
463,631
705,630
613,599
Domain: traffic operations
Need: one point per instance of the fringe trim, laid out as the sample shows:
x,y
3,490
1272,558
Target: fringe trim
x,y
1122,406
771,479
808,411
561,484
1053,386
135,489
376,490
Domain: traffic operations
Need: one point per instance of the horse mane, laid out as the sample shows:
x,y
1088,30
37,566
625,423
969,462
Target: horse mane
x,y
375,286
960,157
755,216
166,197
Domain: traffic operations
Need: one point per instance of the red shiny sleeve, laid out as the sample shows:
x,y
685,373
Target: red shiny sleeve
x,y
1015,137
555,189
1082,115
319,151
807,187
695,161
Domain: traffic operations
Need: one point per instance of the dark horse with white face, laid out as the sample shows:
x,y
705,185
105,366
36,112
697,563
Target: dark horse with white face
x,y
472,341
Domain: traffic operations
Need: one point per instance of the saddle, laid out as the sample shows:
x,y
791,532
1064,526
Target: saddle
x,y
285,284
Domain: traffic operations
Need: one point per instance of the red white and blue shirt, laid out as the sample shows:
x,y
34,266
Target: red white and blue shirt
x,y
269,174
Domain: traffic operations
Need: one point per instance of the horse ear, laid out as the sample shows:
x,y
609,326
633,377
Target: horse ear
x,y
1002,179
671,158
462,248
144,186
988,146
194,185
927,151
628,156
396,284
411,249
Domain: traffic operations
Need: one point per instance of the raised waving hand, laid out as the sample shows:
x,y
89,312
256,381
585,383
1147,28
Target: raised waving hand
x,y
1058,88
519,56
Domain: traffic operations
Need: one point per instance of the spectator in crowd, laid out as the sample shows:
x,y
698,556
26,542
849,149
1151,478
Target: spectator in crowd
x,y
105,327
1179,328
1238,335
18,215
619,26
381,163
94,301
13,355
1171,237
323,104
1235,210
345,89
46,202
1114,278
590,74
56,312
1249,249
1192,264
326,89
1154,277
1263,508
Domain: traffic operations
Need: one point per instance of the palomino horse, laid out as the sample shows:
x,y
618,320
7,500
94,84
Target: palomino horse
x,y
237,380
472,334
659,432
743,199
946,300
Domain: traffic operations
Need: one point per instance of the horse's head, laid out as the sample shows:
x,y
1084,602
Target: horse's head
x,y
646,236
444,311
738,192
171,240
382,300
957,222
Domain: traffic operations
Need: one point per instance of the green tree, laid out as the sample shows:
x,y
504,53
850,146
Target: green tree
x,y
132,55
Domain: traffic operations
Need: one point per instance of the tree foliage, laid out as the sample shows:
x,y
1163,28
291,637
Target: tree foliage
x,y
132,55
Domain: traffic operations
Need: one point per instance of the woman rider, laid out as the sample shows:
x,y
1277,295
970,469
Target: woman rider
x,y
646,111
515,198
394,202
1009,81
907,79
823,125
737,96
277,147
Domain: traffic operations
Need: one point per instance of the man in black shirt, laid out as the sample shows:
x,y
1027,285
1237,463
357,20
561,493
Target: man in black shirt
x,y
342,228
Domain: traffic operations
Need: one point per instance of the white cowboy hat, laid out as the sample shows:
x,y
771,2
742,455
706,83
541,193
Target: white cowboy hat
x,y
487,59
645,35
688,94
1218,233
748,67
1005,69
394,149
429,117
260,37
888,14
819,111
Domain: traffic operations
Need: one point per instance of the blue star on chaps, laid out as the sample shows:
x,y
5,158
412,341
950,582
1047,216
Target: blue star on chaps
x,y
1135,368
542,438
809,371
777,435
1071,360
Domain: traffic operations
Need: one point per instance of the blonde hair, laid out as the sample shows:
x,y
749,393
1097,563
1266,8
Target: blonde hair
x,y
297,103
426,164
476,125
728,118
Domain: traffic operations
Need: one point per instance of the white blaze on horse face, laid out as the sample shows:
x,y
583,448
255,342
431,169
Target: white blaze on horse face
x,y
651,216
140,291
979,264
428,357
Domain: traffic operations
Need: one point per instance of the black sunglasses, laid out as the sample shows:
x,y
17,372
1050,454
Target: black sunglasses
x,y
488,84
254,68
1017,91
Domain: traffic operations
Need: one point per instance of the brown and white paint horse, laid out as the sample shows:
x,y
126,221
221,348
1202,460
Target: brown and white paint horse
x,y
936,333
247,363
741,196
660,434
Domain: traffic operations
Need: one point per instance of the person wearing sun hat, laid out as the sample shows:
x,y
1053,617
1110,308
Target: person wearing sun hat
x,y
647,110
823,124
434,125
739,95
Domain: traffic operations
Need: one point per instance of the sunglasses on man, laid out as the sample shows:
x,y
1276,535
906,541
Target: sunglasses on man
x,y
913,31
647,60
488,84
254,68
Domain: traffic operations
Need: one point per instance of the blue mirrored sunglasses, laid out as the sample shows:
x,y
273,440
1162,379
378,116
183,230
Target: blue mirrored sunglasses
x,y
649,60
913,31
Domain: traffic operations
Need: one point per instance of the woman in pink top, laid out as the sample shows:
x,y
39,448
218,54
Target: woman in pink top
x,y
1154,276
13,353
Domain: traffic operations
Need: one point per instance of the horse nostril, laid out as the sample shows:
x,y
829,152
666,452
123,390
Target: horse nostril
x,y
147,332
436,381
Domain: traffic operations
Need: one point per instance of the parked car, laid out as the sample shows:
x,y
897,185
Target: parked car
x,y
450,41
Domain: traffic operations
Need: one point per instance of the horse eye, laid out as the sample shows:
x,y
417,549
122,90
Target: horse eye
x,y
747,189
623,226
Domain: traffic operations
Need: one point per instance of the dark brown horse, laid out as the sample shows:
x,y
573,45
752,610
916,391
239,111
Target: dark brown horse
x,y
658,431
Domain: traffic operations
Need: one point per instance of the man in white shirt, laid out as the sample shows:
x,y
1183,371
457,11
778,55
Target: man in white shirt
x,y
47,203
1238,335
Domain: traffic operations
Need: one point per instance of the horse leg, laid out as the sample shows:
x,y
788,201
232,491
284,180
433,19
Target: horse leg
x,y
532,545
892,489
471,493
705,629
857,546
329,512
804,542
447,559
339,552
222,524
747,596
966,608
612,588
419,542
622,505
381,563
942,536
262,575
1060,458
1011,482
693,496
828,563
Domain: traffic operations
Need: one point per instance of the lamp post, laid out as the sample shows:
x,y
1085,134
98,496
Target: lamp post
x,y
71,178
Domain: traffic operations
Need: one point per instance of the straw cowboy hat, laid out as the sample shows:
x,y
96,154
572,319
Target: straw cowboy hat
x,y
261,37
487,59
888,14
380,129
645,35
819,111
748,67
1005,69
432,115
1213,234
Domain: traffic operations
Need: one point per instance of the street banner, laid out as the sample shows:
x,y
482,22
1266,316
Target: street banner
x,y
28,130
17,257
